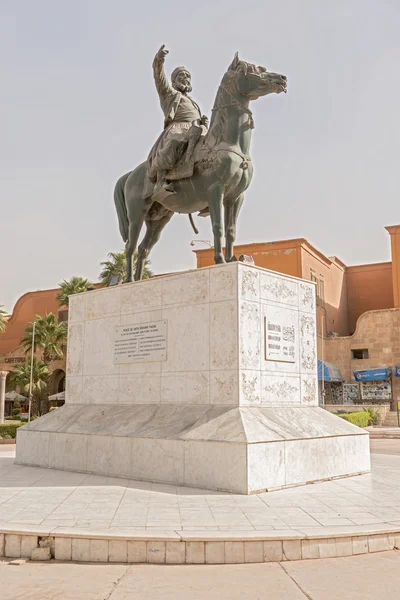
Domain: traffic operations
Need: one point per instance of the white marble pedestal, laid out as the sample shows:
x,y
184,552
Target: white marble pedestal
x,y
218,389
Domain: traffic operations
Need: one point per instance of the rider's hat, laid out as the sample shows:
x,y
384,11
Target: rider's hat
x,y
176,72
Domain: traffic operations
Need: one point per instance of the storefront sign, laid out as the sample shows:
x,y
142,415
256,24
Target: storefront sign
x,y
12,360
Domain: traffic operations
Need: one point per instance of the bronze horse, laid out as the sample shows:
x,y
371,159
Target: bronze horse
x,y
223,171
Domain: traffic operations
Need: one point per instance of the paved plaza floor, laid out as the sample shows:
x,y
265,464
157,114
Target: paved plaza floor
x,y
367,577
32,497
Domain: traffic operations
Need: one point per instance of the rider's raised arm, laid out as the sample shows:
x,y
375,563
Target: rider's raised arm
x,y
162,84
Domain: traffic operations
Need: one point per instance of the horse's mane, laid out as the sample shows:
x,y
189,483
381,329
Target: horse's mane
x,y
219,119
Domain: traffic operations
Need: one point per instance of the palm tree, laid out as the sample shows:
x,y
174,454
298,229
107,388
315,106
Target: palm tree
x,y
116,265
75,285
3,320
50,337
21,376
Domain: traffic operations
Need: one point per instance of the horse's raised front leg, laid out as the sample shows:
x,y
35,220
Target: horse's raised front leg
x,y
231,214
216,197
153,232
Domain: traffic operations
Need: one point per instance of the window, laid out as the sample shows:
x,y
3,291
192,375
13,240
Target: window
x,y
359,354
62,316
313,278
322,291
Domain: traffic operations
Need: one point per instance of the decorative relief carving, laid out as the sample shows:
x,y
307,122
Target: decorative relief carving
x,y
307,342
278,289
249,388
225,387
310,390
307,297
250,284
250,346
281,389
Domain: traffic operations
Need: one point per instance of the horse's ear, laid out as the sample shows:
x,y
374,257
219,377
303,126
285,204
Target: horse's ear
x,y
235,63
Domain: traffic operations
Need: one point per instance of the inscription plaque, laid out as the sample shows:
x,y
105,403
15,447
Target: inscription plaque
x,y
141,342
280,336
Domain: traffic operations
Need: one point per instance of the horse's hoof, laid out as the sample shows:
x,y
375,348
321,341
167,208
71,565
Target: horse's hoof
x,y
220,260
232,259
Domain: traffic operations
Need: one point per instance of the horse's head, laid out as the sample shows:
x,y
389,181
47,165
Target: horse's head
x,y
253,81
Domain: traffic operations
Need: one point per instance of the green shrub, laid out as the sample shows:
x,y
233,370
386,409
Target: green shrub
x,y
373,416
9,430
360,418
16,408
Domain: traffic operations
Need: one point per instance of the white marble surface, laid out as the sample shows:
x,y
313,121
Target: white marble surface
x,y
215,340
46,498
243,449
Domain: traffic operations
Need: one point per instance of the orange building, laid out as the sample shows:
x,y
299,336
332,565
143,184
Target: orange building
x,y
27,307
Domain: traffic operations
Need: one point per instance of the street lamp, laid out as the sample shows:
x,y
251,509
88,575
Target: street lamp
x,y
207,242
30,383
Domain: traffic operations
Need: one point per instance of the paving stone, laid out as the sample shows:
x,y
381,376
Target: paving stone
x,y
175,553
195,553
63,549
253,552
98,550
28,544
156,552
215,553
12,546
234,552
118,551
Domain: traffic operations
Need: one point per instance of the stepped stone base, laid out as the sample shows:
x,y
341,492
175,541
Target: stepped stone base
x,y
206,379
234,449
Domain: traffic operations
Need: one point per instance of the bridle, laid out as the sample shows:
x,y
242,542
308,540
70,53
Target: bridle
x,y
235,102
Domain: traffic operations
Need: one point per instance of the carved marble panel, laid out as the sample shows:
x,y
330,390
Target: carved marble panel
x,y
73,390
187,288
277,390
103,303
185,388
99,347
223,335
187,338
76,308
139,389
75,348
141,296
309,390
250,387
223,282
224,387
307,293
279,289
308,343
100,390
249,283
250,335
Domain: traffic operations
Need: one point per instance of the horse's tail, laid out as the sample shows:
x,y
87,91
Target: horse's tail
x,y
119,200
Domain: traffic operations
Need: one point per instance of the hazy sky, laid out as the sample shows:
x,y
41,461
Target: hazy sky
x,y
79,108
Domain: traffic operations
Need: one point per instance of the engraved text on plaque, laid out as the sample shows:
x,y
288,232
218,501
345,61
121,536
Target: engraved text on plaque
x,y
142,342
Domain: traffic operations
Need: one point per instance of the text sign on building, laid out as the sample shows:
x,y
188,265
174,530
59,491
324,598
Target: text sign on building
x,y
280,336
142,342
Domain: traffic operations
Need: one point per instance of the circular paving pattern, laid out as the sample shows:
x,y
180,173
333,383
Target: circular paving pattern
x,y
92,518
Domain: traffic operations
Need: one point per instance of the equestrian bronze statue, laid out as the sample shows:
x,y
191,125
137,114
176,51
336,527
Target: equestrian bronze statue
x,y
192,167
